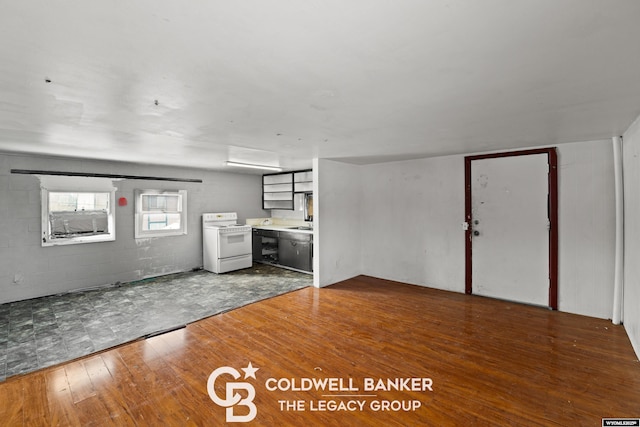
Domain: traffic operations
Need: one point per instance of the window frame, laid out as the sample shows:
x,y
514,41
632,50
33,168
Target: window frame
x,y
73,239
140,232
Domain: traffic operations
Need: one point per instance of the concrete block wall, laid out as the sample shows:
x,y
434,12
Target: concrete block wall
x,y
28,270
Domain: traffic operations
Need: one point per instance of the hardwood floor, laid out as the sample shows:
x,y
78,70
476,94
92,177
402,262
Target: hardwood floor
x,y
456,360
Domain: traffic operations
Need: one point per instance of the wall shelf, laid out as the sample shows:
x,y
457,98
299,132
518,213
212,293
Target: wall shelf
x,y
278,189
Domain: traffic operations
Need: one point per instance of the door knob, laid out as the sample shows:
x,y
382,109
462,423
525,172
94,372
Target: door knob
x,y
476,233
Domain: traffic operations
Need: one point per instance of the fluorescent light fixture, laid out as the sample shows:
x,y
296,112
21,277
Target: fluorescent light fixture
x,y
254,166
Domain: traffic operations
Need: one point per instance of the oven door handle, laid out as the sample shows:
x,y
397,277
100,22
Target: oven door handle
x,y
235,233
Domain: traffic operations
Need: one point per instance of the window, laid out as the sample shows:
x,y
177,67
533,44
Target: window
x,y
160,213
74,213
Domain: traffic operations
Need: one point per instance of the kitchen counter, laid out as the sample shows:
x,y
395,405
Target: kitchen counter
x,y
290,228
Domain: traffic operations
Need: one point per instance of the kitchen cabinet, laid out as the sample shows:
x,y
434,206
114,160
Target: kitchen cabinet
x,y
278,189
288,249
295,250
303,181
265,245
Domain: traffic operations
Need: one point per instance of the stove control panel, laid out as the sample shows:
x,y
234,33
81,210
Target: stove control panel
x,y
225,216
234,229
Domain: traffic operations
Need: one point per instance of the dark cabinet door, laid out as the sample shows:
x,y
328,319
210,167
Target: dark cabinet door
x,y
265,245
294,253
257,246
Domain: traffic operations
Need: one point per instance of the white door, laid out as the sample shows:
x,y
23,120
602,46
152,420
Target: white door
x,y
510,228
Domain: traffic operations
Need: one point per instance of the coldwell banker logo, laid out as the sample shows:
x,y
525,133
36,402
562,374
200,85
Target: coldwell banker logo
x,y
334,394
232,398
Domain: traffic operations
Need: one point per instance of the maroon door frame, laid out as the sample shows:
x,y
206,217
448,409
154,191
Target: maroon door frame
x,y
553,216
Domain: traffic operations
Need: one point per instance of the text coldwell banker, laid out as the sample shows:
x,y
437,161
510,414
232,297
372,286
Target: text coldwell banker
x,y
336,385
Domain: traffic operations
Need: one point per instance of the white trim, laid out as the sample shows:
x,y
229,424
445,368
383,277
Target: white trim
x,y
618,298
77,185
141,233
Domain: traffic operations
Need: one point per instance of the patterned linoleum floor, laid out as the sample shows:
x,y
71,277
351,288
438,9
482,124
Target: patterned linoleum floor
x,y
46,331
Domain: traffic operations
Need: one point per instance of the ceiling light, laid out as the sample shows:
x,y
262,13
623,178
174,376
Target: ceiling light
x,y
254,166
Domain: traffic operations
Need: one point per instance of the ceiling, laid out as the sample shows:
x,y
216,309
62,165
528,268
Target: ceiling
x,y
279,82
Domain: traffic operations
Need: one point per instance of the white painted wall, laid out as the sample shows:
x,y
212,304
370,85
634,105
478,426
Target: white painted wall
x,y
631,166
337,231
28,270
412,213
587,228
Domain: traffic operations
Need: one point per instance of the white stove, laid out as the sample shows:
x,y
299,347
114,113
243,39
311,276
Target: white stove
x,y
226,245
